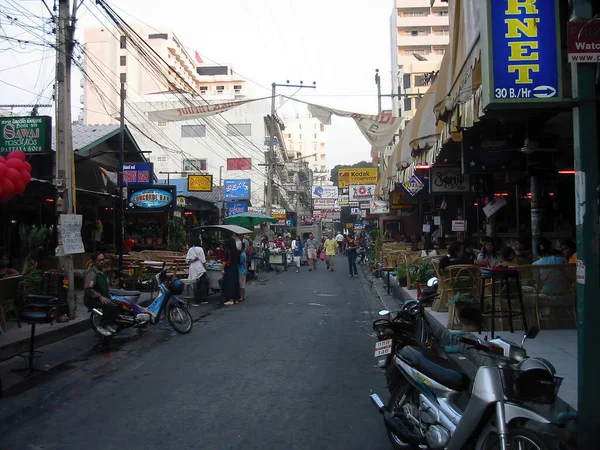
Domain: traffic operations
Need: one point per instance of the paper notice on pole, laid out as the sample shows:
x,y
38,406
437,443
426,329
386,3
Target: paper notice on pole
x,y
579,197
426,228
492,207
459,225
437,220
69,235
580,272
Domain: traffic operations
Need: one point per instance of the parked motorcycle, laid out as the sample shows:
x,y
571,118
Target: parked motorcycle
x,y
130,314
361,256
433,407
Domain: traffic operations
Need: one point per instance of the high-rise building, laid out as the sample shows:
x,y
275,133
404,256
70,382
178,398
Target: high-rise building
x,y
419,36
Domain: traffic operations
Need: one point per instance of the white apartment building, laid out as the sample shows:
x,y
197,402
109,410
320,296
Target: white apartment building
x,y
305,137
419,36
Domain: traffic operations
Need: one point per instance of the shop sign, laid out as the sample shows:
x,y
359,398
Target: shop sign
x,y
359,226
325,203
348,176
355,211
343,200
362,192
349,225
459,225
234,208
583,41
448,180
330,192
278,213
200,183
401,200
28,134
521,58
154,199
380,207
353,204
181,202
317,214
414,186
138,173
406,212
257,210
237,189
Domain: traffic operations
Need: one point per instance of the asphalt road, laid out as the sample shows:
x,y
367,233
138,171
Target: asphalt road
x,y
290,368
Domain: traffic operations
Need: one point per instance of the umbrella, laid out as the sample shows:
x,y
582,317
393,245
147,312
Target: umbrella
x,y
249,219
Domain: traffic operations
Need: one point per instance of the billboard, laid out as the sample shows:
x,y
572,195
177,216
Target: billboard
x,y
362,192
150,198
239,163
325,192
200,183
348,176
521,52
137,173
234,208
237,189
28,134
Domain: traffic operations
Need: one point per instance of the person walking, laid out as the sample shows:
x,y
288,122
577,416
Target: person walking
x,y
331,246
351,249
96,295
197,259
312,246
231,277
297,247
243,271
340,240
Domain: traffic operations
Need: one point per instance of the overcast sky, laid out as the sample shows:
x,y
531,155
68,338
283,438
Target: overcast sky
x,y
337,43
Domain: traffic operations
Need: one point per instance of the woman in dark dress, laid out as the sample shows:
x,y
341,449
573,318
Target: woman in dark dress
x,y
231,279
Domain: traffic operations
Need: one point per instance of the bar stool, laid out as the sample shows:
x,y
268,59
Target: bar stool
x,y
388,270
501,275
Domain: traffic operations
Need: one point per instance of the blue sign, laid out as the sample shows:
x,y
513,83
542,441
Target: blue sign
x,y
138,173
153,199
234,208
237,189
524,46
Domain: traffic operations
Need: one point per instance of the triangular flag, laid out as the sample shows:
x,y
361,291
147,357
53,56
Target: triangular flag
x,y
198,58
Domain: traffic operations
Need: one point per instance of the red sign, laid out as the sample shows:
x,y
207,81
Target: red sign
x,y
583,41
239,163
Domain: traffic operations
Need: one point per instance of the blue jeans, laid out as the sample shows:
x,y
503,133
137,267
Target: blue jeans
x,y
352,263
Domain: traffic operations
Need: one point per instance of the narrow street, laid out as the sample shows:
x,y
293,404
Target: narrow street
x,y
291,367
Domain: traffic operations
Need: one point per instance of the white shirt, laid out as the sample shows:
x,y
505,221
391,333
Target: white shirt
x,y
196,267
339,237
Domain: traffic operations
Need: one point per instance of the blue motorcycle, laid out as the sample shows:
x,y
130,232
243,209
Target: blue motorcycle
x,y
130,314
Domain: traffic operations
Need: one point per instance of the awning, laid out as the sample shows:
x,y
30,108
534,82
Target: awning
x,y
425,132
232,228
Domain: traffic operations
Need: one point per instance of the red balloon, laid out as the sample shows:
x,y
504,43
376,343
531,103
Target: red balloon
x,y
2,168
2,159
19,187
8,188
26,166
16,154
12,175
25,177
15,163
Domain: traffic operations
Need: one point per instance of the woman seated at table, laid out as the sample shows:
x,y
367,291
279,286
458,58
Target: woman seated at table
x,y
454,256
488,256
508,256
556,282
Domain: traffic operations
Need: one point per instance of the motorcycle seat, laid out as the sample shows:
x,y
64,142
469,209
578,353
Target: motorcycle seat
x,y
435,367
124,293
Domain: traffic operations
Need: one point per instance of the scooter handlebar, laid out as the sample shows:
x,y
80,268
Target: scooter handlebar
x,y
473,343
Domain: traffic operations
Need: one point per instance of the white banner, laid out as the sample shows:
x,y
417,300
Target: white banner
x,y
325,192
362,192
194,111
379,130
69,235
325,203
380,207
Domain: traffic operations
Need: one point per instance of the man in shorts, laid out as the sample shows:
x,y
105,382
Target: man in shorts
x,y
331,246
312,245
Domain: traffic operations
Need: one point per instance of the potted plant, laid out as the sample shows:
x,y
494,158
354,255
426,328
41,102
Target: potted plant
x,y
467,309
402,274
420,273
32,282
177,234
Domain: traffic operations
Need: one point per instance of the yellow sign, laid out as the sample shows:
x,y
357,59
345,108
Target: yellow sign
x,y
401,200
348,176
200,183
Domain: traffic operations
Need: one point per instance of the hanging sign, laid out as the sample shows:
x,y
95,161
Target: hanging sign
x,y
237,189
138,173
492,207
330,192
348,176
200,183
28,134
521,52
325,203
181,202
583,41
343,200
448,180
355,211
414,186
150,198
278,213
379,207
234,208
401,200
362,192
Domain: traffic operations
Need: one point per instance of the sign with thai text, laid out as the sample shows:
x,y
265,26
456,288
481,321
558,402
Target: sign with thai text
x,y
234,208
151,198
325,203
362,192
237,189
459,225
200,183
138,173
69,235
583,41
278,213
28,134
521,63
448,180
343,200
348,176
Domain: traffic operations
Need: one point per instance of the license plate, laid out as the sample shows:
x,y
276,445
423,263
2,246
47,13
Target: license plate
x,y
383,347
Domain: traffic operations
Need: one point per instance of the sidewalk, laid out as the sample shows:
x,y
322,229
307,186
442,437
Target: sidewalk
x,y
557,346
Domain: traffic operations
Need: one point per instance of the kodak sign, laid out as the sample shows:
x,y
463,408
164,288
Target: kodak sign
x,y
348,176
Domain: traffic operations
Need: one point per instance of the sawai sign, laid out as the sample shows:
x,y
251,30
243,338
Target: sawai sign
x,y
521,63
448,179
28,134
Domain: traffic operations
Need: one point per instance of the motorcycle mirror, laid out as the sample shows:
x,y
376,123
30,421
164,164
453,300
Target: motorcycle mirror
x,y
384,312
432,282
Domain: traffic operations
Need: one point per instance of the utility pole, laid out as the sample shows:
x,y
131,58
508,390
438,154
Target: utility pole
x,y
271,162
64,139
378,83
120,181
588,235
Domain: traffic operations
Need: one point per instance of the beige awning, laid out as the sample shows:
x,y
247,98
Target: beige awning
x,y
425,132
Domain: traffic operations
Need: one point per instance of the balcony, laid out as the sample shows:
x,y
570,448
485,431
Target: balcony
x,y
419,41
401,4
422,21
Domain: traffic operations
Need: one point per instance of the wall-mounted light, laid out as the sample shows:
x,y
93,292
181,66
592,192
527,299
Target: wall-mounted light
x,y
566,172
422,166
50,200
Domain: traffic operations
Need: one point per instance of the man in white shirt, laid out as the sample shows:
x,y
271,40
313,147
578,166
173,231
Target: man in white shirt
x,y
340,240
196,259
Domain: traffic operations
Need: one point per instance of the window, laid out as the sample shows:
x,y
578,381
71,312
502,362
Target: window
x,y
316,147
123,42
315,135
123,77
239,163
193,131
420,80
243,129
439,51
122,60
203,89
194,165
407,104
158,36
220,89
161,159
237,88
323,168
322,128
416,51
162,124
416,13
299,126
406,80
441,32
300,136
441,13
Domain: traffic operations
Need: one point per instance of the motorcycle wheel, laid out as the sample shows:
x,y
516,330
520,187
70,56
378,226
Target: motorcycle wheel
x,y
521,438
404,393
180,319
95,320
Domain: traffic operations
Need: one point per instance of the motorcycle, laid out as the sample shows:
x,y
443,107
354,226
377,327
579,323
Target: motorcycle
x,y
130,314
361,256
433,408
